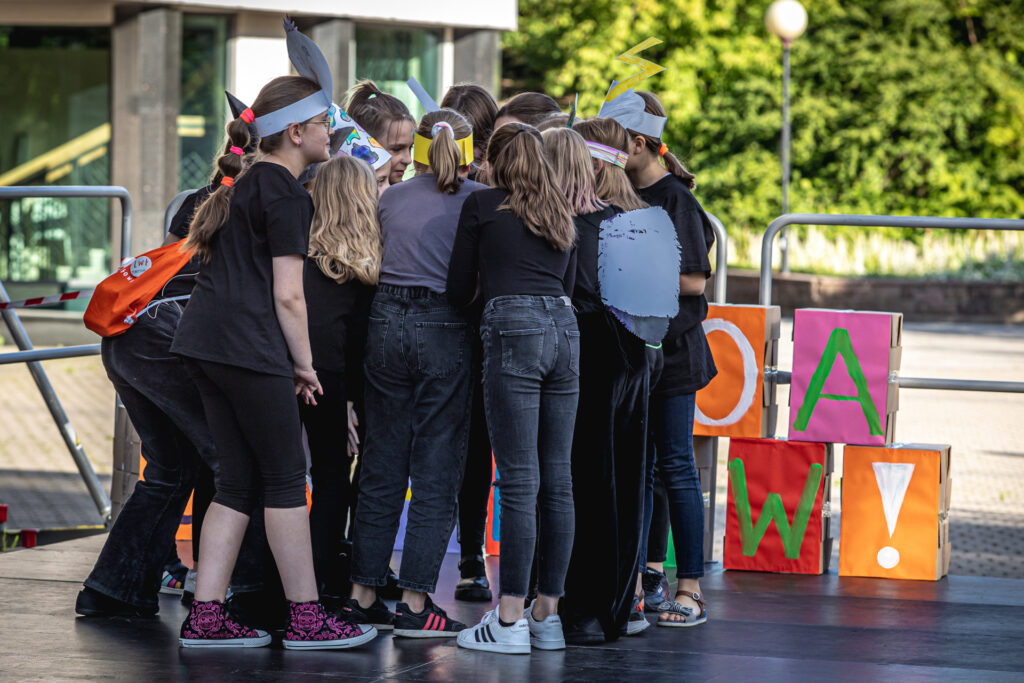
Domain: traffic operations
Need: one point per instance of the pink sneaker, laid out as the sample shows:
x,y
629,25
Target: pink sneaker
x,y
208,624
310,627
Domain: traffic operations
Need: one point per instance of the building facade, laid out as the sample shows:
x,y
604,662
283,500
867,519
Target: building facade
x,y
132,94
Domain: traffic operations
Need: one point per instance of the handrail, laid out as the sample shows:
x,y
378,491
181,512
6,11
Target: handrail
x,y
721,258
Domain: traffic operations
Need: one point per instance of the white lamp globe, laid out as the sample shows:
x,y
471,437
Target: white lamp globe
x,y
787,19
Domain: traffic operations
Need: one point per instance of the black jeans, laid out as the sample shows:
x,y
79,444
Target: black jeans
x,y
165,408
476,482
417,420
608,454
330,470
531,386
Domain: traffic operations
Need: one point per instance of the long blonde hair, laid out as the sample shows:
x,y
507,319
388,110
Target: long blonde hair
x,y
344,237
613,184
570,161
515,155
213,212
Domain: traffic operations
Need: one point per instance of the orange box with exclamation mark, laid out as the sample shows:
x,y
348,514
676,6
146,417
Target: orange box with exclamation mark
x,y
894,511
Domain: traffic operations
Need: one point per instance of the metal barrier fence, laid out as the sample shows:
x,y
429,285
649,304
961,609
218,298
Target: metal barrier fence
x,y
32,357
765,290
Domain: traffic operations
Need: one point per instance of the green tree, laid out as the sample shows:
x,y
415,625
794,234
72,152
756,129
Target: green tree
x,y
898,106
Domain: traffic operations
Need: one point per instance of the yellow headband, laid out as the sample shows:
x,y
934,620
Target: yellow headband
x,y
420,145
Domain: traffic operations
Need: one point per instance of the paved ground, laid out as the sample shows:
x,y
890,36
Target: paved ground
x,y
39,480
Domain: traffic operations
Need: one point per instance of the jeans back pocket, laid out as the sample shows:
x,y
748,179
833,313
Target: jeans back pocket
x,y
376,340
521,350
440,347
573,339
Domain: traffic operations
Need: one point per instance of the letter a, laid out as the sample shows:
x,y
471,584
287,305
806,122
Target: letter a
x,y
838,344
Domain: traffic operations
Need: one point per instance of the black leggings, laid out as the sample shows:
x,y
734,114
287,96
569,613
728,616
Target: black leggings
x,y
255,425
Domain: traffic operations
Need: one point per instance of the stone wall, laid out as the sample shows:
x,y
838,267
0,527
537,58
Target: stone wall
x,y
917,299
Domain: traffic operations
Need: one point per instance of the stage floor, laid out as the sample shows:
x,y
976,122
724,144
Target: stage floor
x,y
762,627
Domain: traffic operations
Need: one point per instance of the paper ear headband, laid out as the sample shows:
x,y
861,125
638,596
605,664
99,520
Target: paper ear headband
x,y
606,153
421,145
310,63
349,138
624,105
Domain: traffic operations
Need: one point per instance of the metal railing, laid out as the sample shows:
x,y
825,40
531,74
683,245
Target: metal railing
x,y
32,356
854,220
721,259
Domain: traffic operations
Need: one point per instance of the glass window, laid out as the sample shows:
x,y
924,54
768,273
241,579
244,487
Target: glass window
x,y
202,116
55,90
389,56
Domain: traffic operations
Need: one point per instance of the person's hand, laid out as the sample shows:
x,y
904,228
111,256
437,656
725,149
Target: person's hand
x,y
306,384
353,434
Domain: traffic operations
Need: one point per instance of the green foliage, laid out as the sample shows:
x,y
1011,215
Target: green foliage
x,y
912,107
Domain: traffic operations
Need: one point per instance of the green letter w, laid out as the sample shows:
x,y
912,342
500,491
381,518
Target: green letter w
x,y
792,537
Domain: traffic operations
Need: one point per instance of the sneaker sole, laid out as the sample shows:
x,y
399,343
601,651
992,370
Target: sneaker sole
x,y
340,644
475,594
226,642
167,590
423,633
547,644
500,648
639,628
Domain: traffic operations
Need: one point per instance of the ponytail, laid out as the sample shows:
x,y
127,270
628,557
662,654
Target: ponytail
x,y
444,155
653,106
213,212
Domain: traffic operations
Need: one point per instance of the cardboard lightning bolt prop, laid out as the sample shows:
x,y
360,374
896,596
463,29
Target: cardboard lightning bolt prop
x,y
624,105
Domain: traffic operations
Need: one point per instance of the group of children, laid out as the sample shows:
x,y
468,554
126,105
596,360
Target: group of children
x,y
413,326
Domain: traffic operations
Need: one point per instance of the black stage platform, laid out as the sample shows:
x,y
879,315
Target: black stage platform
x,y
762,627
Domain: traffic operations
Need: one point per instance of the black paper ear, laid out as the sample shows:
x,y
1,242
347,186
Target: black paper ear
x,y
237,106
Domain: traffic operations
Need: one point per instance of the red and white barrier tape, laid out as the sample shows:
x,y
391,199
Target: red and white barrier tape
x,y
47,300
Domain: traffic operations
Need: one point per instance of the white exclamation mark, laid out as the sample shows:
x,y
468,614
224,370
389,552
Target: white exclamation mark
x,y
893,479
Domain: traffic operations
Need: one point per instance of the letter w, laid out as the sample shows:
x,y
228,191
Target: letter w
x,y
792,536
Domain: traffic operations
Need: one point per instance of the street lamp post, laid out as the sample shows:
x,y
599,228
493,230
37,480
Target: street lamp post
x,y
787,20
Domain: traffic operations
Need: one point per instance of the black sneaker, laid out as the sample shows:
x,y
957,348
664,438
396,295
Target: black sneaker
x,y
92,603
655,584
432,622
637,622
377,615
473,586
260,609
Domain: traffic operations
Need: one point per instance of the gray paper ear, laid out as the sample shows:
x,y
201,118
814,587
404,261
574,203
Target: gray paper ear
x,y
237,106
307,58
628,110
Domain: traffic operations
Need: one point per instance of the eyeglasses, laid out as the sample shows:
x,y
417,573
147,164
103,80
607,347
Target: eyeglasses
x,y
326,123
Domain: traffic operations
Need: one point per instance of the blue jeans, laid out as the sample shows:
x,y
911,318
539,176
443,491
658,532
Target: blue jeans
x,y
165,408
531,386
672,437
417,424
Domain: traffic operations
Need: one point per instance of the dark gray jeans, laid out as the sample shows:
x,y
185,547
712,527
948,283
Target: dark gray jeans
x,y
417,423
531,386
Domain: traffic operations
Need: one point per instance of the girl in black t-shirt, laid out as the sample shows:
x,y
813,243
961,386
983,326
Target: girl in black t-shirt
x,y
614,375
688,367
246,345
338,281
517,239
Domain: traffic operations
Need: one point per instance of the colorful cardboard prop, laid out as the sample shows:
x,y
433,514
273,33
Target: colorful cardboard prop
x,y
624,105
895,507
237,107
638,270
777,492
738,401
349,138
840,389
310,63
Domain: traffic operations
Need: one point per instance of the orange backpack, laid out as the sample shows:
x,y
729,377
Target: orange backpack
x,y
123,296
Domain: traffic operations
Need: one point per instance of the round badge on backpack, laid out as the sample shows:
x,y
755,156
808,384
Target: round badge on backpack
x,y
139,265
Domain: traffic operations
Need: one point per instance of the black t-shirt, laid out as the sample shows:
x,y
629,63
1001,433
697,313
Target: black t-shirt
x,y
509,258
586,296
231,316
337,315
185,279
688,362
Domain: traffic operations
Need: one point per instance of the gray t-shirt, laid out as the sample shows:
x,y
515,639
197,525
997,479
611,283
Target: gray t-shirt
x,y
418,224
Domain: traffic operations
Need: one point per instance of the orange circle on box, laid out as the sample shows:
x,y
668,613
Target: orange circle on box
x,y
724,387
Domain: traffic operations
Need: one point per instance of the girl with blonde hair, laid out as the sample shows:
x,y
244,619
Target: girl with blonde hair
x,y
339,277
613,184
610,422
417,387
517,240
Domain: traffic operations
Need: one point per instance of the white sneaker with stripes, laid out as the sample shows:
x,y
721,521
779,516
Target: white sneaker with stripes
x,y
490,636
